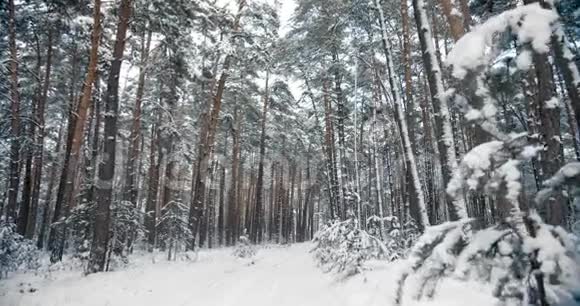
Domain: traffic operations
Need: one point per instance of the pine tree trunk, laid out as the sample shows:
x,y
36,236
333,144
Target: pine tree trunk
x,y
341,115
52,174
27,213
221,210
272,212
93,162
334,188
170,140
446,143
533,121
39,139
569,69
550,135
451,11
410,103
13,175
131,182
417,202
233,203
207,139
106,172
66,188
375,160
256,235
153,173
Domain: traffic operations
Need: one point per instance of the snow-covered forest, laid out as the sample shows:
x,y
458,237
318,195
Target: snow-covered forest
x,y
290,152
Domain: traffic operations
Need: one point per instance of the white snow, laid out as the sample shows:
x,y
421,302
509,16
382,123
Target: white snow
x,y
531,23
554,102
278,275
531,151
511,174
474,165
524,60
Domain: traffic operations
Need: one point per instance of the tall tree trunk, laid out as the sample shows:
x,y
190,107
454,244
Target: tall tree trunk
x,y
375,160
27,214
551,160
39,139
256,235
207,139
343,177
549,119
135,137
417,202
569,68
171,183
75,140
221,210
410,103
233,209
52,174
445,144
452,10
13,175
332,174
151,207
106,172
90,194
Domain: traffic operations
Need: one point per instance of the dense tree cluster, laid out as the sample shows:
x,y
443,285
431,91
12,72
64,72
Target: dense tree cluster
x,y
186,124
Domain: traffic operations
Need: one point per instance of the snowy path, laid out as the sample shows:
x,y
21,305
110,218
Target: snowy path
x,y
279,276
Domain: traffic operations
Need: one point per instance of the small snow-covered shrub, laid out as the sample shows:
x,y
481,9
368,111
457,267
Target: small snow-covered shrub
x,y
512,262
397,239
79,226
173,227
245,248
15,251
343,247
126,227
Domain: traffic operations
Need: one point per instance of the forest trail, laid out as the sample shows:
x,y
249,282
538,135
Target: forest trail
x,y
279,275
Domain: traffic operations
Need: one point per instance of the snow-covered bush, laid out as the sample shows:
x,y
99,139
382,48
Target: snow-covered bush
x,y
79,224
397,239
343,247
245,248
173,227
512,261
526,261
15,251
126,226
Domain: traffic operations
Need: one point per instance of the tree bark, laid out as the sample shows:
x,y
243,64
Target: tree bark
x,y
75,140
207,139
46,215
551,160
135,137
256,235
454,18
233,203
343,177
13,175
106,172
566,64
332,175
39,139
446,143
417,202
27,214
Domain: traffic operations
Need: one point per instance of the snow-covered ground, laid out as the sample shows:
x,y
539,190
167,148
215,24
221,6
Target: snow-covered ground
x,y
278,275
